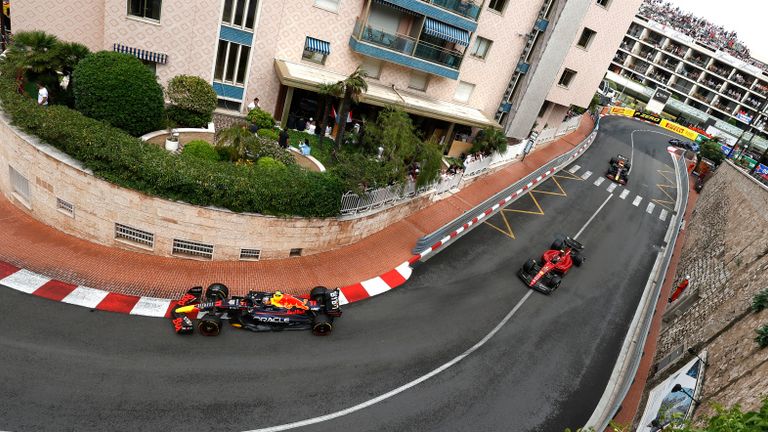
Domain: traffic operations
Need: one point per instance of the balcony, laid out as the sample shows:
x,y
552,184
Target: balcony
x,y
681,88
406,51
468,9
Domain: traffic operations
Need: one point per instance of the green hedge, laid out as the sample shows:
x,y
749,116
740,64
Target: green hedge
x,y
200,149
127,161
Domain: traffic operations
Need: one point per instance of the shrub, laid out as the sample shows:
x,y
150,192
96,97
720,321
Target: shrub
x,y
128,162
258,148
760,300
269,163
710,149
490,140
762,336
192,94
261,119
200,149
120,90
268,133
180,117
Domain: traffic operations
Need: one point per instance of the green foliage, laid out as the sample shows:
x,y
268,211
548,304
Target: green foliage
x,y
350,89
268,133
200,149
120,90
762,336
258,148
180,117
361,172
236,137
261,119
322,147
269,163
710,149
34,52
490,140
760,300
733,420
192,94
128,162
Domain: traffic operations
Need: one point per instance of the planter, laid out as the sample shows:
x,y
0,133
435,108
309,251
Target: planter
x,y
171,144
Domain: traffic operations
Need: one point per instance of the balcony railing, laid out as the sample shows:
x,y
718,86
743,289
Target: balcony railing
x,y
409,46
469,9
681,88
698,61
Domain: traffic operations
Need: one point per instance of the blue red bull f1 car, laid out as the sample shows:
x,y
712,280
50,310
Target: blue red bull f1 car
x,y
256,311
545,275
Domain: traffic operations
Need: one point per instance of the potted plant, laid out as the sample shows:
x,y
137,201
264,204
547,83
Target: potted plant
x,y
172,142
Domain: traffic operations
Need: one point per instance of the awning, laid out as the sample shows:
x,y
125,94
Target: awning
x,y
396,7
310,78
140,53
317,45
446,32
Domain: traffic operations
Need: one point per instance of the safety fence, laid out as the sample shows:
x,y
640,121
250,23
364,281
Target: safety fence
x,y
375,199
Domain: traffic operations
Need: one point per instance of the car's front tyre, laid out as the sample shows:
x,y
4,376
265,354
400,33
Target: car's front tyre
x,y
209,325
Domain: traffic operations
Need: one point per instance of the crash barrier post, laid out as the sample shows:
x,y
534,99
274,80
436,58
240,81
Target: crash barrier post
x,y
465,222
631,352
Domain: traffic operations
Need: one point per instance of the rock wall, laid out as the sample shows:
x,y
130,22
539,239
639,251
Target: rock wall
x,y
726,254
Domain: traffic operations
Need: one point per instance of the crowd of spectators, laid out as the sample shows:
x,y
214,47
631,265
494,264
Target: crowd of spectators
x,y
706,32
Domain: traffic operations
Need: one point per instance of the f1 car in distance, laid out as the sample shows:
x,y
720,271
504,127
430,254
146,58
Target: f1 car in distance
x,y
256,311
619,170
685,145
545,275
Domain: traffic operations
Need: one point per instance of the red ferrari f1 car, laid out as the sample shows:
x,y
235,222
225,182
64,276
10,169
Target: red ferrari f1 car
x,y
545,275
256,311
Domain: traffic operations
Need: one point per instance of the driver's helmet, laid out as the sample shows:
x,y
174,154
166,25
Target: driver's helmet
x,y
266,300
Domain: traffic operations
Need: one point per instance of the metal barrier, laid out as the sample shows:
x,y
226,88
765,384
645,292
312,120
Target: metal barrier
x,y
631,352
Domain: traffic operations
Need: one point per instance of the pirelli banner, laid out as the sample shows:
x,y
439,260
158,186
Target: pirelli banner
x,y
681,130
653,118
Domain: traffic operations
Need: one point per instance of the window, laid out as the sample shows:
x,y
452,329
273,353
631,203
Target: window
x,y
418,81
604,3
228,104
497,5
371,67
463,91
250,254
481,47
316,50
566,78
231,62
151,65
329,5
134,235
19,183
240,13
586,38
65,207
295,252
145,8
192,249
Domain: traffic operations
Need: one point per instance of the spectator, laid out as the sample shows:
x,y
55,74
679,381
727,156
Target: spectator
x,y
282,139
311,126
42,95
253,105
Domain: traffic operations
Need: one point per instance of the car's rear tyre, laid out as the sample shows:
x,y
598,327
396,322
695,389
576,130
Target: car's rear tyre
x,y
578,260
627,165
529,265
209,325
216,291
555,282
614,161
322,326
318,293
558,244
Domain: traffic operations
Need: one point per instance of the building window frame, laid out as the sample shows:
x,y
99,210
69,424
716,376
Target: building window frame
x,y
566,78
498,5
604,3
143,9
465,84
328,5
481,48
314,55
247,10
586,38
417,74
231,66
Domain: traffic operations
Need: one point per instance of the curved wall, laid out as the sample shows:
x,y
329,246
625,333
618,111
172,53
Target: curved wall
x,y
98,205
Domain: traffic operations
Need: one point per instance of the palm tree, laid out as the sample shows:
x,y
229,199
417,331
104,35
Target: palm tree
x,y
68,55
351,89
328,92
34,51
237,136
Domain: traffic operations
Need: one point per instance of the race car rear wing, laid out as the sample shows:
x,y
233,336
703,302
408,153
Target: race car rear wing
x,y
573,244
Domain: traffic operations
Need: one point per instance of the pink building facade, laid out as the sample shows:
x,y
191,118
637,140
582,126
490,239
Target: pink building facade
x,y
453,64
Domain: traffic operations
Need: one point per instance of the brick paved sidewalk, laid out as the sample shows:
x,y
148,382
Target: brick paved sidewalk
x,y
27,243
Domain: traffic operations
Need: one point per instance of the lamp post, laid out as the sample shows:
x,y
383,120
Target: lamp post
x,y
656,423
692,352
679,388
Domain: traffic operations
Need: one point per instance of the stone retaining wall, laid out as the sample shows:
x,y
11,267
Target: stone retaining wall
x,y
726,255
98,205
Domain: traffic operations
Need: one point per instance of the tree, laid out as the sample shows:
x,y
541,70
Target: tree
x,y
32,57
350,89
120,90
710,149
237,137
68,55
490,140
192,101
327,93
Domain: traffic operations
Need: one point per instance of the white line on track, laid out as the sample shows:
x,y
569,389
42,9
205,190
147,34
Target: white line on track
x,y
637,200
650,208
599,181
663,215
421,379
611,187
586,175
624,193
574,169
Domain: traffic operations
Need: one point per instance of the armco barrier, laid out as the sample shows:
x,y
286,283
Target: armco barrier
x,y
628,361
459,226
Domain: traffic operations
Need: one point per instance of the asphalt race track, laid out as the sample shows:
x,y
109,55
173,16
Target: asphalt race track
x,y
66,368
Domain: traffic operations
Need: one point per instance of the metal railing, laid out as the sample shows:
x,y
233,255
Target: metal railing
x,y
465,8
408,45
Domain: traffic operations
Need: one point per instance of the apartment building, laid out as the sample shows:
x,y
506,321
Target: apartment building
x,y
707,86
453,64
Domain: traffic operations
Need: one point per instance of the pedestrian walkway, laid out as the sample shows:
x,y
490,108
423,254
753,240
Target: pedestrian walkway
x,y
29,244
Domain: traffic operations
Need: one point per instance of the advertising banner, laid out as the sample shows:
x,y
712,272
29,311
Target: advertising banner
x,y
680,130
647,117
628,112
672,399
